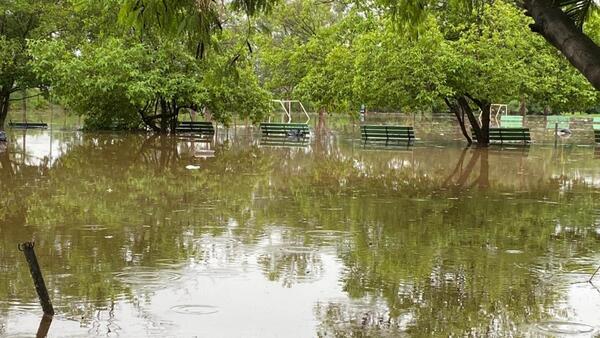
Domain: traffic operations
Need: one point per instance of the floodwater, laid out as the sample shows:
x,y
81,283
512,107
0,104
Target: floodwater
x,y
159,236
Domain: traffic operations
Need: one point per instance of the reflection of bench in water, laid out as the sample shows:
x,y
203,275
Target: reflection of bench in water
x,y
202,128
284,134
284,142
507,150
28,125
509,135
597,152
387,134
195,146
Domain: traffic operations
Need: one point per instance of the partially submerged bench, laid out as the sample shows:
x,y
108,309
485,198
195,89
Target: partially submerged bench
x,y
596,126
387,134
285,130
511,121
510,135
203,128
28,125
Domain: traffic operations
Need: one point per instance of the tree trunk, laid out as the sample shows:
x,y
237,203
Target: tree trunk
x,y
481,134
483,138
523,106
560,31
460,116
485,123
164,111
547,110
322,122
4,103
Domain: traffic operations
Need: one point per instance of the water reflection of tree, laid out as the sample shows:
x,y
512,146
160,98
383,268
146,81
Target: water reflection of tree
x,y
430,260
442,264
461,173
100,209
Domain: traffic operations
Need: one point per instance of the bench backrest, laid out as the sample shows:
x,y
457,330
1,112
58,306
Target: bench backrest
x,y
511,121
40,125
203,127
386,132
195,123
553,120
510,134
283,129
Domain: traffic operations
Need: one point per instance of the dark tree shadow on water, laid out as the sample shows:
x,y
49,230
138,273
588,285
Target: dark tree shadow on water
x,y
460,176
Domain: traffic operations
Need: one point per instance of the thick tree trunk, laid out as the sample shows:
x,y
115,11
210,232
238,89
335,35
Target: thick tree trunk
x,y
460,117
4,105
485,123
4,102
483,138
481,132
560,31
164,110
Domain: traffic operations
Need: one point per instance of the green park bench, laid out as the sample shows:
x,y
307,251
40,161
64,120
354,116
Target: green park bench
x,y
596,126
387,134
510,135
561,121
28,125
285,130
510,121
203,128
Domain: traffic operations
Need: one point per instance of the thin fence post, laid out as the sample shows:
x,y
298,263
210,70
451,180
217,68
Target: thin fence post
x,y
555,134
36,275
44,326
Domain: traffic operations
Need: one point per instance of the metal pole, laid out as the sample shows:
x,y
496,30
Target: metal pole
x,y
555,134
36,275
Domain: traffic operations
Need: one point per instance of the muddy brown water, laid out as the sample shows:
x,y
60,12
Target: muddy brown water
x,y
160,236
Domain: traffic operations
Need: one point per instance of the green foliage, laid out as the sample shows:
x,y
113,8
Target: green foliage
x,y
396,72
117,81
498,60
21,20
361,59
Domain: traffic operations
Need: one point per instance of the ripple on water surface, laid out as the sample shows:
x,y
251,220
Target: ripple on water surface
x,y
147,277
327,234
564,327
194,309
92,227
20,306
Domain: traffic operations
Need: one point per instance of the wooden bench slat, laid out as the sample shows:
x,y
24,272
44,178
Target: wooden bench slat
x,y
508,135
32,125
282,131
386,133
200,127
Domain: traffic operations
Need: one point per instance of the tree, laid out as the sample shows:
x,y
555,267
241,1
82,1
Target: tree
x,y
497,59
123,82
21,20
559,22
